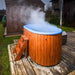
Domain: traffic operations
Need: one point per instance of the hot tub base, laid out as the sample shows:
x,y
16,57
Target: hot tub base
x,y
44,49
35,63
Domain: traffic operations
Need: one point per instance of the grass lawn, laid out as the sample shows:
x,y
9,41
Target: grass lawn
x,y
67,29
4,59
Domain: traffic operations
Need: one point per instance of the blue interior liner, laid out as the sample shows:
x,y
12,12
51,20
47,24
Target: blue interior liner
x,y
43,29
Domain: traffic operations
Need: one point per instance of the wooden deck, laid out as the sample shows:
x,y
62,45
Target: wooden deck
x,y
25,66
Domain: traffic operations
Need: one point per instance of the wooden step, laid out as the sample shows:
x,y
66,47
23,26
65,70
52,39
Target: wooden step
x,y
24,37
21,44
17,50
21,47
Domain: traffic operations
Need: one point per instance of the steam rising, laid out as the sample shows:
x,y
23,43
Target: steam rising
x,y
33,15
36,16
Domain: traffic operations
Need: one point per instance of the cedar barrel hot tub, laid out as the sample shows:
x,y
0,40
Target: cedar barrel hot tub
x,y
45,43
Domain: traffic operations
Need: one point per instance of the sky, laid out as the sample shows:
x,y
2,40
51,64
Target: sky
x,y
2,4
45,1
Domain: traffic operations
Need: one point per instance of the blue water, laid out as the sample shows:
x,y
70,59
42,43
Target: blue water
x,y
45,29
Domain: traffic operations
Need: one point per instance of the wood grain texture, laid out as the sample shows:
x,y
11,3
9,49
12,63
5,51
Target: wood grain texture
x,y
44,49
65,66
21,46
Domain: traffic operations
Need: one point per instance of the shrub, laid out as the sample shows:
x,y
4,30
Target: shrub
x,y
54,19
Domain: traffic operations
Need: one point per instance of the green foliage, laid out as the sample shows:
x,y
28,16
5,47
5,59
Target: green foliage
x,y
54,19
67,29
64,27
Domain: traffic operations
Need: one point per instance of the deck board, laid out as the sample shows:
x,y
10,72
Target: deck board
x,y
25,66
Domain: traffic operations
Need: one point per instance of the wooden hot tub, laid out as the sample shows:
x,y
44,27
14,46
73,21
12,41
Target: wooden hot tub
x,y
45,43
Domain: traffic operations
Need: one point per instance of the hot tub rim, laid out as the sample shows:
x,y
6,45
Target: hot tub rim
x,y
43,33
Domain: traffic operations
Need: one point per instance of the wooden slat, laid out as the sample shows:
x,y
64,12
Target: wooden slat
x,y
38,48
40,70
49,48
68,56
72,73
42,49
11,61
71,66
64,68
55,48
15,67
45,50
34,67
34,49
21,66
55,72
28,67
18,69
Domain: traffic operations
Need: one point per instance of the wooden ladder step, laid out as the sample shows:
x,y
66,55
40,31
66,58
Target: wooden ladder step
x,y
24,37
20,47
21,44
17,50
